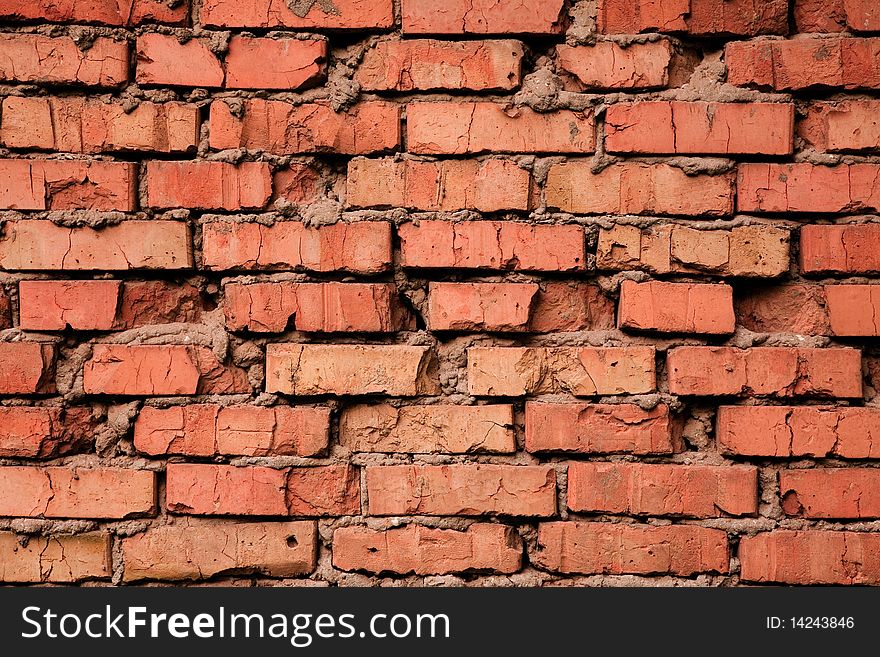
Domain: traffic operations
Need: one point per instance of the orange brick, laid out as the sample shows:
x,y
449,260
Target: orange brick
x,y
786,431
428,64
617,549
579,371
103,12
830,492
313,307
26,368
67,185
599,428
346,14
208,429
482,17
637,188
701,17
807,188
665,127
118,369
284,129
45,431
208,185
797,309
663,490
164,61
849,125
205,489
492,245
480,306
299,63
79,125
466,489
81,305
34,244
318,369
841,249
846,62
56,559
676,307
70,492
765,371
448,185
444,429
199,550
608,65
456,128
811,557
425,551
58,60
853,309
361,246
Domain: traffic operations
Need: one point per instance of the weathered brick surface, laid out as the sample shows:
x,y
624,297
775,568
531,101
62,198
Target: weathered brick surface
x,y
458,292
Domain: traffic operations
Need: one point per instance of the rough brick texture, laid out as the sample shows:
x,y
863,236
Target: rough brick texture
x,y
439,292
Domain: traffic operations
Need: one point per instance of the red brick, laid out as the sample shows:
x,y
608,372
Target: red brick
x,y
482,17
444,429
608,65
756,250
67,185
204,489
480,306
787,431
278,127
492,245
320,369
26,368
59,60
637,188
765,371
797,309
849,125
298,63
464,490
561,306
831,492
158,302
362,246
299,183
842,249
456,128
5,309
702,17
676,307
617,549
71,492
208,185
811,557
579,371
419,550
599,428
862,15
56,559
819,15
199,550
103,12
806,187
45,431
55,305
118,369
79,125
344,14
163,60
853,309
35,244
671,127
700,491
208,430
446,185
429,65
846,62
277,307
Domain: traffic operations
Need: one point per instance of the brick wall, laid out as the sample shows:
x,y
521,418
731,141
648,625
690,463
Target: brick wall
x,y
485,292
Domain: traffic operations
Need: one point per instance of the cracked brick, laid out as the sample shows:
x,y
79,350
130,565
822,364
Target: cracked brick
x,y
482,17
